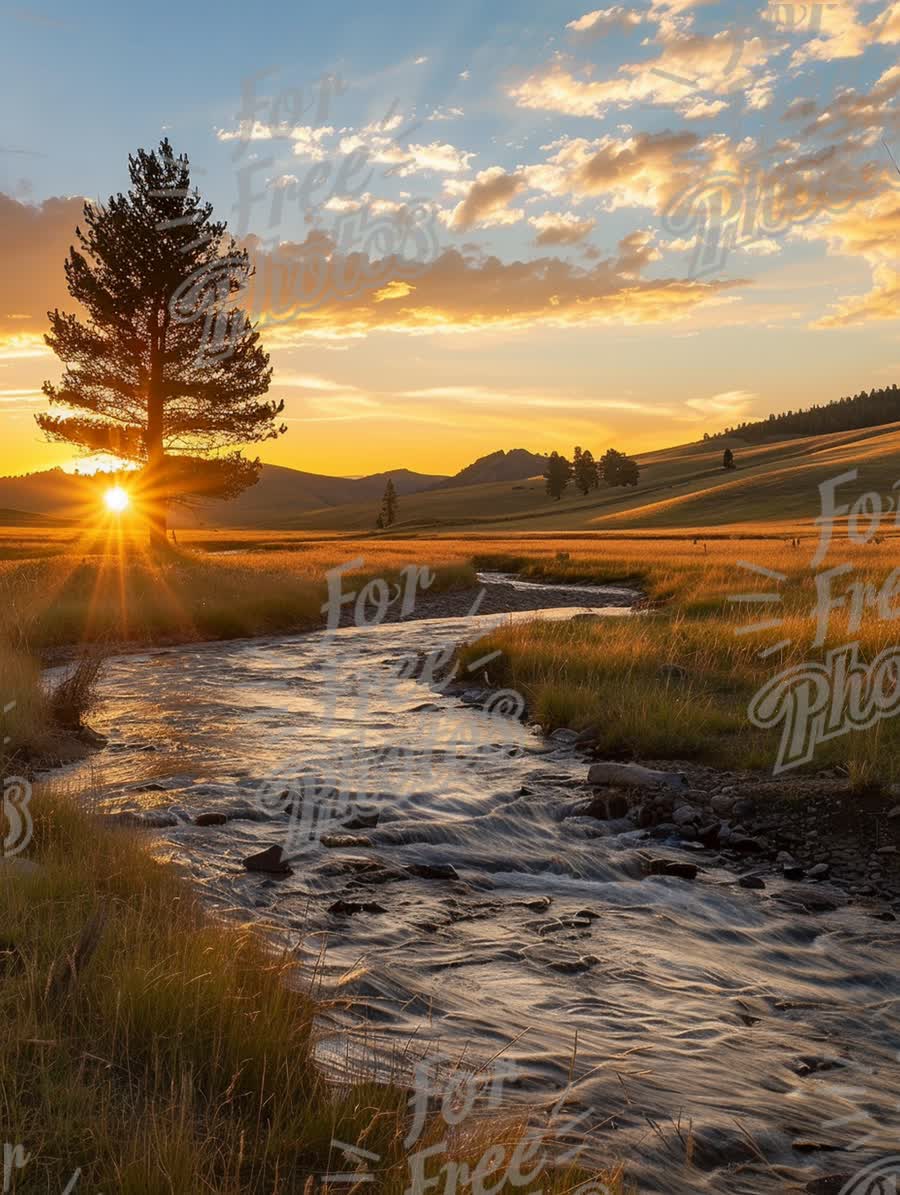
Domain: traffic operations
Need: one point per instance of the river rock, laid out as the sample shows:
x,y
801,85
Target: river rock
x,y
829,1184
210,819
808,899
709,835
364,819
743,844
433,871
562,735
345,841
722,804
751,882
347,908
272,861
149,819
685,815
632,775
672,867
819,871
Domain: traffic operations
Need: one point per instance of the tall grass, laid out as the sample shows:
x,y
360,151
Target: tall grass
x,y
122,595
675,682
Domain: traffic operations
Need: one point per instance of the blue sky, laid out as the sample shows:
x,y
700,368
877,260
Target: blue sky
x,y
551,147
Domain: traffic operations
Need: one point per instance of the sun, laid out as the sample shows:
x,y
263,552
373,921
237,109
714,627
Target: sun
x,y
116,499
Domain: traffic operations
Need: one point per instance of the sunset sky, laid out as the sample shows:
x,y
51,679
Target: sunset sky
x,y
551,167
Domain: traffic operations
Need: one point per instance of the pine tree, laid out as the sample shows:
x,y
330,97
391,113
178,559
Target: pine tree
x,y
141,380
557,474
388,505
584,470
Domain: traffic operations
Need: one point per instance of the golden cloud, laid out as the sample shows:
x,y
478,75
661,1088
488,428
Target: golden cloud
x,y
34,242
485,197
314,291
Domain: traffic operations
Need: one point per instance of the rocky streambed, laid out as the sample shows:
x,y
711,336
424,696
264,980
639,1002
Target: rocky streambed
x,y
722,1014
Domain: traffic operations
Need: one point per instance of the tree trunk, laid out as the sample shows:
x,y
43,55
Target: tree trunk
x,y
156,518
156,457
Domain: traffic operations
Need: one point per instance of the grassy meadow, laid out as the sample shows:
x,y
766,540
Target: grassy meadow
x,y
672,682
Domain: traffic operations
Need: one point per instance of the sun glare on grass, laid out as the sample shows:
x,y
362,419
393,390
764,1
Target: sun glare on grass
x,y
116,500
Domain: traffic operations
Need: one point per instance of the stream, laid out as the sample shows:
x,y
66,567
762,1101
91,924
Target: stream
x,y
710,1039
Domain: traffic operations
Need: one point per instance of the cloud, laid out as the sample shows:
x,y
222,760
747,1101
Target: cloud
x,y
635,252
34,243
642,170
870,230
839,32
730,404
404,160
882,302
689,65
850,111
523,399
604,20
307,138
393,290
485,198
316,292
561,228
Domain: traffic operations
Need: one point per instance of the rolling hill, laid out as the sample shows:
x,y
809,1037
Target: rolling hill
x,y
681,487
281,493
684,487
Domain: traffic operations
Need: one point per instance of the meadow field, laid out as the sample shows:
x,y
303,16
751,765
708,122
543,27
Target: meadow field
x,y
671,682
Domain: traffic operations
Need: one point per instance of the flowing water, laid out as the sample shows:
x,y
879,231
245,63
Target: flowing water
x,y
679,1012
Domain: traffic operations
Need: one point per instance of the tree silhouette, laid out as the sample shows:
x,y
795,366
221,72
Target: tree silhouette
x,y
142,380
557,474
629,472
388,506
728,459
584,471
619,469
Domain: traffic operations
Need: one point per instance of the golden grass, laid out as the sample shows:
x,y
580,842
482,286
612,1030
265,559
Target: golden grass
x,y
85,594
581,675
675,682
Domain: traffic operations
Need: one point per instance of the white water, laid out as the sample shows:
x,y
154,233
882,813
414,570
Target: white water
x,y
691,1002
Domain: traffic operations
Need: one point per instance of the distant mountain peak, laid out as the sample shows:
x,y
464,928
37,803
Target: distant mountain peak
x,y
514,464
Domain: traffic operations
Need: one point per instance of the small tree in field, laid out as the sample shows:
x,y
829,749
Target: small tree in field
x,y
140,382
388,506
557,474
728,459
584,470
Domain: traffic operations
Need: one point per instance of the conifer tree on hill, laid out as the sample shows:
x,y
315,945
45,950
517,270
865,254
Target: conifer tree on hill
x,y
140,382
